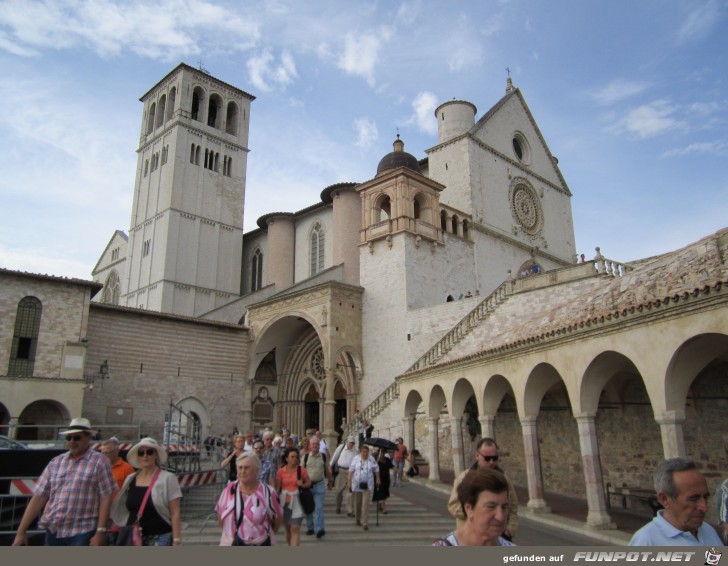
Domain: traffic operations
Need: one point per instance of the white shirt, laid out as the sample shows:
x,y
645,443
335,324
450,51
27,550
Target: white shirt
x,y
363,472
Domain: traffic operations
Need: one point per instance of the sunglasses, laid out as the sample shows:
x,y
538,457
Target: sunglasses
x,y
147,452
75,437
488,458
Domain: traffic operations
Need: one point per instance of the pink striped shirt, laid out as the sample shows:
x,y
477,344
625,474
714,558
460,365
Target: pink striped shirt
x,y
260,510
75,488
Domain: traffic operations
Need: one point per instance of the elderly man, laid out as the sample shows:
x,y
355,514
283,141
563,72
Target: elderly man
x,y
486,456
319,471
683,492
76,489
341,460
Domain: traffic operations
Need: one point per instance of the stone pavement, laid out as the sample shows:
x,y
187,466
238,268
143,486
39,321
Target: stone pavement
x,y
406,524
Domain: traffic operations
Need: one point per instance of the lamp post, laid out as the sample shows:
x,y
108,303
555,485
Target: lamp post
x,y
102,375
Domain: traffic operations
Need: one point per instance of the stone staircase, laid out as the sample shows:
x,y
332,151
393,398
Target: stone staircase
x,y
406,524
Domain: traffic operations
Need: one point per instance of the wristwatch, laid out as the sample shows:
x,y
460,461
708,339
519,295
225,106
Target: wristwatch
x,y
100,529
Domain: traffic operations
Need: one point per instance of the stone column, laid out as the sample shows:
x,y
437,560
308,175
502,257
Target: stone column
x,y
536,502
456,434
329,426
247,411
598,517
434,459
671,427
408,424
487,428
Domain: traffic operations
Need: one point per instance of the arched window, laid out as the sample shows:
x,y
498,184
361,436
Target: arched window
x,y
112,289
161,112
192,153
214,109
25,337
465,229
231,119
417,209
454,224
197,155
383,210
150,118
198,97
443,221
317,248
170,104
256,271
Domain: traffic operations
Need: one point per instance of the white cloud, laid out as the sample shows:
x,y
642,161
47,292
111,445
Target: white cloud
x,y
167,30
424,105
699,22
618,89
408,12
362,52
719,148
264,72
366,132
649,120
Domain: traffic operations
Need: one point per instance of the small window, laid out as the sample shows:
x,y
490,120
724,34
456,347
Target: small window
x,y
317,241
25,338
521,149
146,246
256,271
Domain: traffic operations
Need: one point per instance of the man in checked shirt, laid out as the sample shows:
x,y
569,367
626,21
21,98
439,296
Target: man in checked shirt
x,y
76,489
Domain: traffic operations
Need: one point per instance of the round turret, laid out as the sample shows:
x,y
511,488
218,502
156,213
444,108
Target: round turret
x,y
454,118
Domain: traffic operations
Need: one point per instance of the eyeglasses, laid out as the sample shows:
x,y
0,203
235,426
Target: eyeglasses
x,y
258,447
75,437
147,452
488,458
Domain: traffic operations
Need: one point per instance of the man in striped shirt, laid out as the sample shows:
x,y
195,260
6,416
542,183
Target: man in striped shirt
x,y
76,489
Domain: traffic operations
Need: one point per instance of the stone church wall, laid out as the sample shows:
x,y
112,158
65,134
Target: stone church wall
x,y
155,358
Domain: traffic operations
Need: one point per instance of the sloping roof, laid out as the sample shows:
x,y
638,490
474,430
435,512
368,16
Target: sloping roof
x,y
698,269
108,245
53,278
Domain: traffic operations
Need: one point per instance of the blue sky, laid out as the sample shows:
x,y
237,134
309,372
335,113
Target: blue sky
x,y
630,95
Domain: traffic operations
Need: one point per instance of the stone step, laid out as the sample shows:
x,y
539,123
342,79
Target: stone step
x,y
405,524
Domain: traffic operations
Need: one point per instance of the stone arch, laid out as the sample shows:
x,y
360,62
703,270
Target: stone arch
x,y
495,389
198,410
436,402
382,209
412,403
422,208
542,378
603,369
691,357
39,420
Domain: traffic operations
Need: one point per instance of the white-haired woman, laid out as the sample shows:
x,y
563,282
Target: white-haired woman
x,y
248,511
153,490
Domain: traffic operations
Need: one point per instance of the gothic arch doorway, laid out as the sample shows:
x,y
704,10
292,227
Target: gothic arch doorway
x,y
312,409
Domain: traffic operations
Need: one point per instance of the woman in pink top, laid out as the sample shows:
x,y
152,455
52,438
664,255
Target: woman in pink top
x,y
248,511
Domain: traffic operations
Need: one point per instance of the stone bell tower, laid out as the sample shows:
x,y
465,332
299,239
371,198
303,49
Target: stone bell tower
x,y
186,233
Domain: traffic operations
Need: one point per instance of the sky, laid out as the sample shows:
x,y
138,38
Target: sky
x,y
630,95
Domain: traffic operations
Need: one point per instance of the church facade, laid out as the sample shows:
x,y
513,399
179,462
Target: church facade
x,y
441,299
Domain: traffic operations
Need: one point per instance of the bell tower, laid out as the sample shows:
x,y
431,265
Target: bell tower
x,y
186,232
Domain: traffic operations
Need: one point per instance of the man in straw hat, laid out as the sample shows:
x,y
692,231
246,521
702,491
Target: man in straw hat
x,y
76,489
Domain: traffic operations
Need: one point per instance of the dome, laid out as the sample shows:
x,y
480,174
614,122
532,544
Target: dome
x,y
398,158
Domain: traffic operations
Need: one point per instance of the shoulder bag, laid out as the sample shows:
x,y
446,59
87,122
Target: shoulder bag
x,y
305,496
131,535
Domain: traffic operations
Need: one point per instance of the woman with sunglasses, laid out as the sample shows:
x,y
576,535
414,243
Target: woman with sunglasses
x,y
160,519
289,478
486,457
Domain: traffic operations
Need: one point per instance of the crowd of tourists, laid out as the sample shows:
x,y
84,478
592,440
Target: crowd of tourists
x,y
93,498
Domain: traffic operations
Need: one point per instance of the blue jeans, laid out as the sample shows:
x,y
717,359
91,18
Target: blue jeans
x,y
317,517
74,540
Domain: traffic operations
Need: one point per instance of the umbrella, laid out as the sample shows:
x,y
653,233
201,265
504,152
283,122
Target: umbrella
x,y
381,443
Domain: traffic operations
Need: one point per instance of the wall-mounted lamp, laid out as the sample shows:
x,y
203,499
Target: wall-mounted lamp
x,y
102,375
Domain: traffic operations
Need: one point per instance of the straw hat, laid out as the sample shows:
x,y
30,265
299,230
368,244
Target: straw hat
x,y
133,458
79,425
